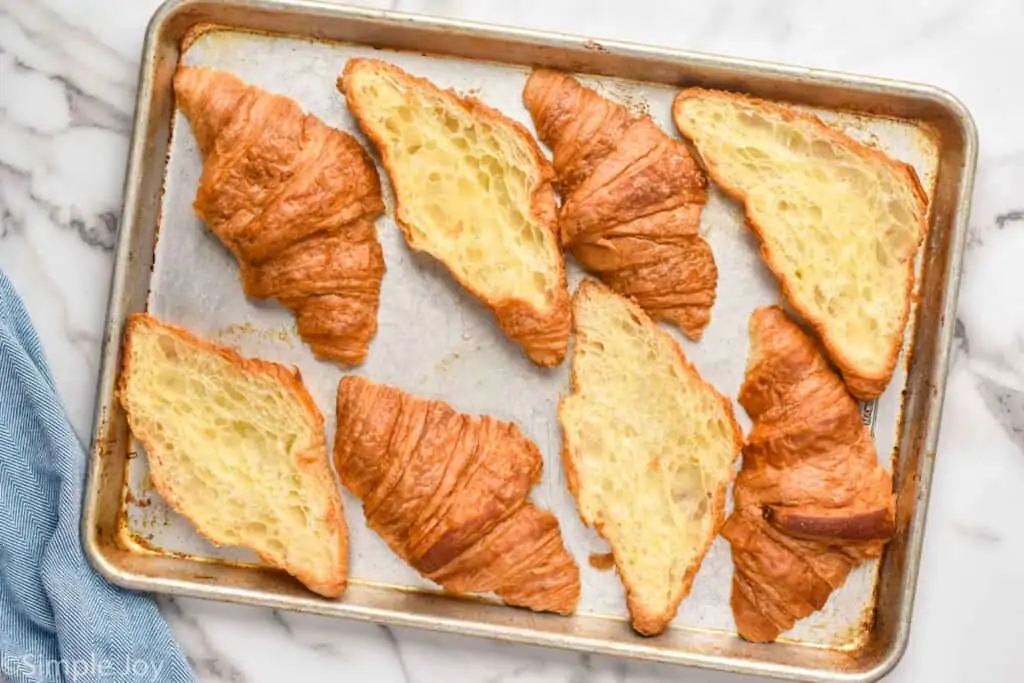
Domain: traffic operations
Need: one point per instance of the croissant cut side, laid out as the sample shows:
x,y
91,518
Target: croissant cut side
x,y
236,445
632,200
448,493
294,200
812,501
473,190
840,223
648,448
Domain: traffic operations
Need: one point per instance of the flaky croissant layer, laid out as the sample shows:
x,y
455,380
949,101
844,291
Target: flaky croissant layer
x,y
448,493
632,199
294,200
811,500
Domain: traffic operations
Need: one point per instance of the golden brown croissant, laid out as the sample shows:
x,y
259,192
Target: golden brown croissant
x,y
447,492
811,500
632,198
473,190
294,200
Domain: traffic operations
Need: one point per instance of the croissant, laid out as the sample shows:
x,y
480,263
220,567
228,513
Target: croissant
x,y
632,199
811,500
473,190
447,492
294,200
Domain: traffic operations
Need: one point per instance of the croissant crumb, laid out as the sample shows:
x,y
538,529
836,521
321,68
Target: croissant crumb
x,y
472,190
840,223
236,445
649,448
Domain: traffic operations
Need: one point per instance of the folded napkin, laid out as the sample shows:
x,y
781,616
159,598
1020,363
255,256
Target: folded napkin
x,y
59,620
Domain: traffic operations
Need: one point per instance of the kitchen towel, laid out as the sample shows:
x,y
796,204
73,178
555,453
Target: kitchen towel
x,y
60,621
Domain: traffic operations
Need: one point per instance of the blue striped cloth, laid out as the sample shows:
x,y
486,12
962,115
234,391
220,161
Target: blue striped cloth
x,y
59,621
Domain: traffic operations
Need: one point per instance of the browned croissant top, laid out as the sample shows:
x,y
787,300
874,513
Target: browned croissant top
x,y
294,200
811,500
632,198
447,492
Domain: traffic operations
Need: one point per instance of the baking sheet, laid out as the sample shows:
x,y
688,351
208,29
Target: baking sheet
x,y
435,340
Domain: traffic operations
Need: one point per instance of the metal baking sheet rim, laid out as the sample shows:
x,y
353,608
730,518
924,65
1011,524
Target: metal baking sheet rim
x,y
109,423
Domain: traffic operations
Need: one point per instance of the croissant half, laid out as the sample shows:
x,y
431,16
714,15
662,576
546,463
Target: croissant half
x,y
839,222
632,199
236,446
294,200
473,191
447,492
811,500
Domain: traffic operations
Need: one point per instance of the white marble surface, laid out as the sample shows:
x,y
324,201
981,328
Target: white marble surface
x,y
67,75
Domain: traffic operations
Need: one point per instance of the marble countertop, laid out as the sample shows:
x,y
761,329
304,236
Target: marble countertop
x,y
67,79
